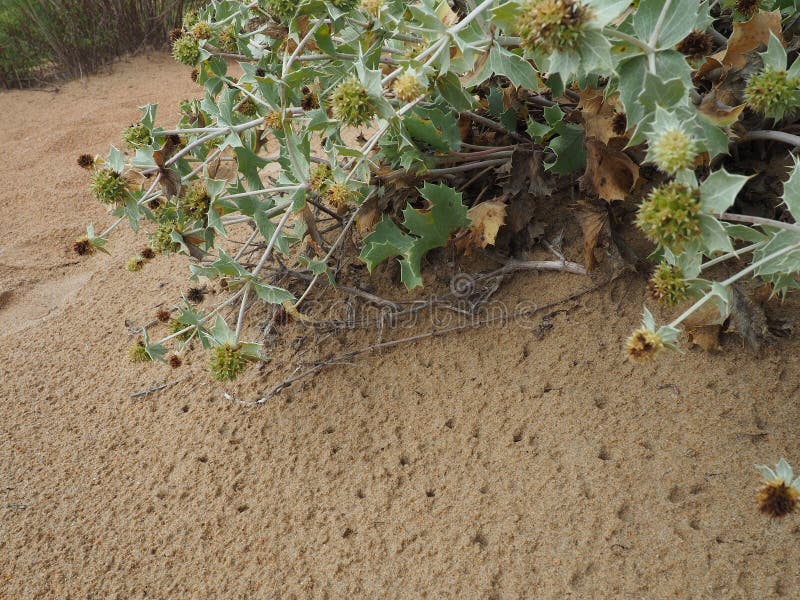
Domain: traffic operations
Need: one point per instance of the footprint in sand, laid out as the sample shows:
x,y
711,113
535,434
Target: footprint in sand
x,y
24,305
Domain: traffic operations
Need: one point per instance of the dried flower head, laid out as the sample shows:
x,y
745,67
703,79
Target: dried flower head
x,y
190,17
138,353
674,150
372,7
83,247
176,326
351,104
248,107
778,495
407,87
228,362
195,295
147,253
85,161
696,45
202,30
134,264
137,136
175,34
746,8
670,215
108,186
186,50
163,315
668,285
772,93
274,119
644,345
194,74
619,123
320,175
340,196
309,100
552,25
174,361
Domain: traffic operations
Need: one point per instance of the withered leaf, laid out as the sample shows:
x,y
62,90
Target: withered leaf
x,y
486,219
594,222
610,174
597,114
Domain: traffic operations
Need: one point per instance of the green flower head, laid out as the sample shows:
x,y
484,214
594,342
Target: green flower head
x,y
186,50
161,239
108,186
772,93
228,362
670,215
137,136
351,104
668,285
674,150
552,25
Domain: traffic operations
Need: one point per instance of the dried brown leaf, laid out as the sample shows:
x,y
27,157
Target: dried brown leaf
x,y
486,220
610,174
594,222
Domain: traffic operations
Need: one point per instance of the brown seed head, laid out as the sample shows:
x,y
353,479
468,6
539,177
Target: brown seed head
x,y
147,253
83,247
174,361
776,499
163,315
644,345
195,295
747,7
175,34
696,45
86,161
619,123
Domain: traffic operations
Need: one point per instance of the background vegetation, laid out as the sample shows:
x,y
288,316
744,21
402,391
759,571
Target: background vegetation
x,y
68,38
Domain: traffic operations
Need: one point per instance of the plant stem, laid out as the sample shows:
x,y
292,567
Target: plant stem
x,y
733,279
772,136
643,46
760,221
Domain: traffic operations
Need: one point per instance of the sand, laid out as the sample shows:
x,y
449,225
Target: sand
x,y
506,462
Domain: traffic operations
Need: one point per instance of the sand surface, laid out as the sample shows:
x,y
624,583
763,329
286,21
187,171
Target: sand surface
x,y
509,462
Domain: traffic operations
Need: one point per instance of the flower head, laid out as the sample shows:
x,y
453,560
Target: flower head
x,y
248,107
274,119
778,495
186,50
227,39
674,150
407,87
176,326
340,196
552,25
195,295
746,8
161,240
772,93
83,247
108,186
135,263
86,161
147,253
174,34
138,353
202,30
351,103
696,45
372,7
227,362
320,175
668,285
619,123
163,315
137,136
670,215
196,200
644,345
282,9
174,361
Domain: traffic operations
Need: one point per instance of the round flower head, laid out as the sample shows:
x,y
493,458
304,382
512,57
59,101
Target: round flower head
x,y
85,161
195,295
137,136
176,326
161,240
227,39
186,50
551,25
282,9
196,200
138,353
190,17
227,362
174,34
696,45
202,30
670,215
372,7
674,151
619,124
134,264
644,345
108,186
174,361
408,87
746,8
83,247
320,175
163,315
274,119
340,196
147,253
351,104
778,495
772,93
668,285
248,107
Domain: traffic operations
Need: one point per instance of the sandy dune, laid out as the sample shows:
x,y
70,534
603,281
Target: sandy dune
x,y
503,463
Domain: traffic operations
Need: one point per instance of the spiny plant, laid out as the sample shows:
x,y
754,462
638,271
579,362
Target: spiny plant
x,y
644,99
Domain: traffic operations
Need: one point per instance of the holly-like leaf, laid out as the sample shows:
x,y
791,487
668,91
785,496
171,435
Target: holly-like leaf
x,y
719,190
791,191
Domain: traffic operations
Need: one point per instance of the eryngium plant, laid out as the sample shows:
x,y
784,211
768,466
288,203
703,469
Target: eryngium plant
x,y
418,80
